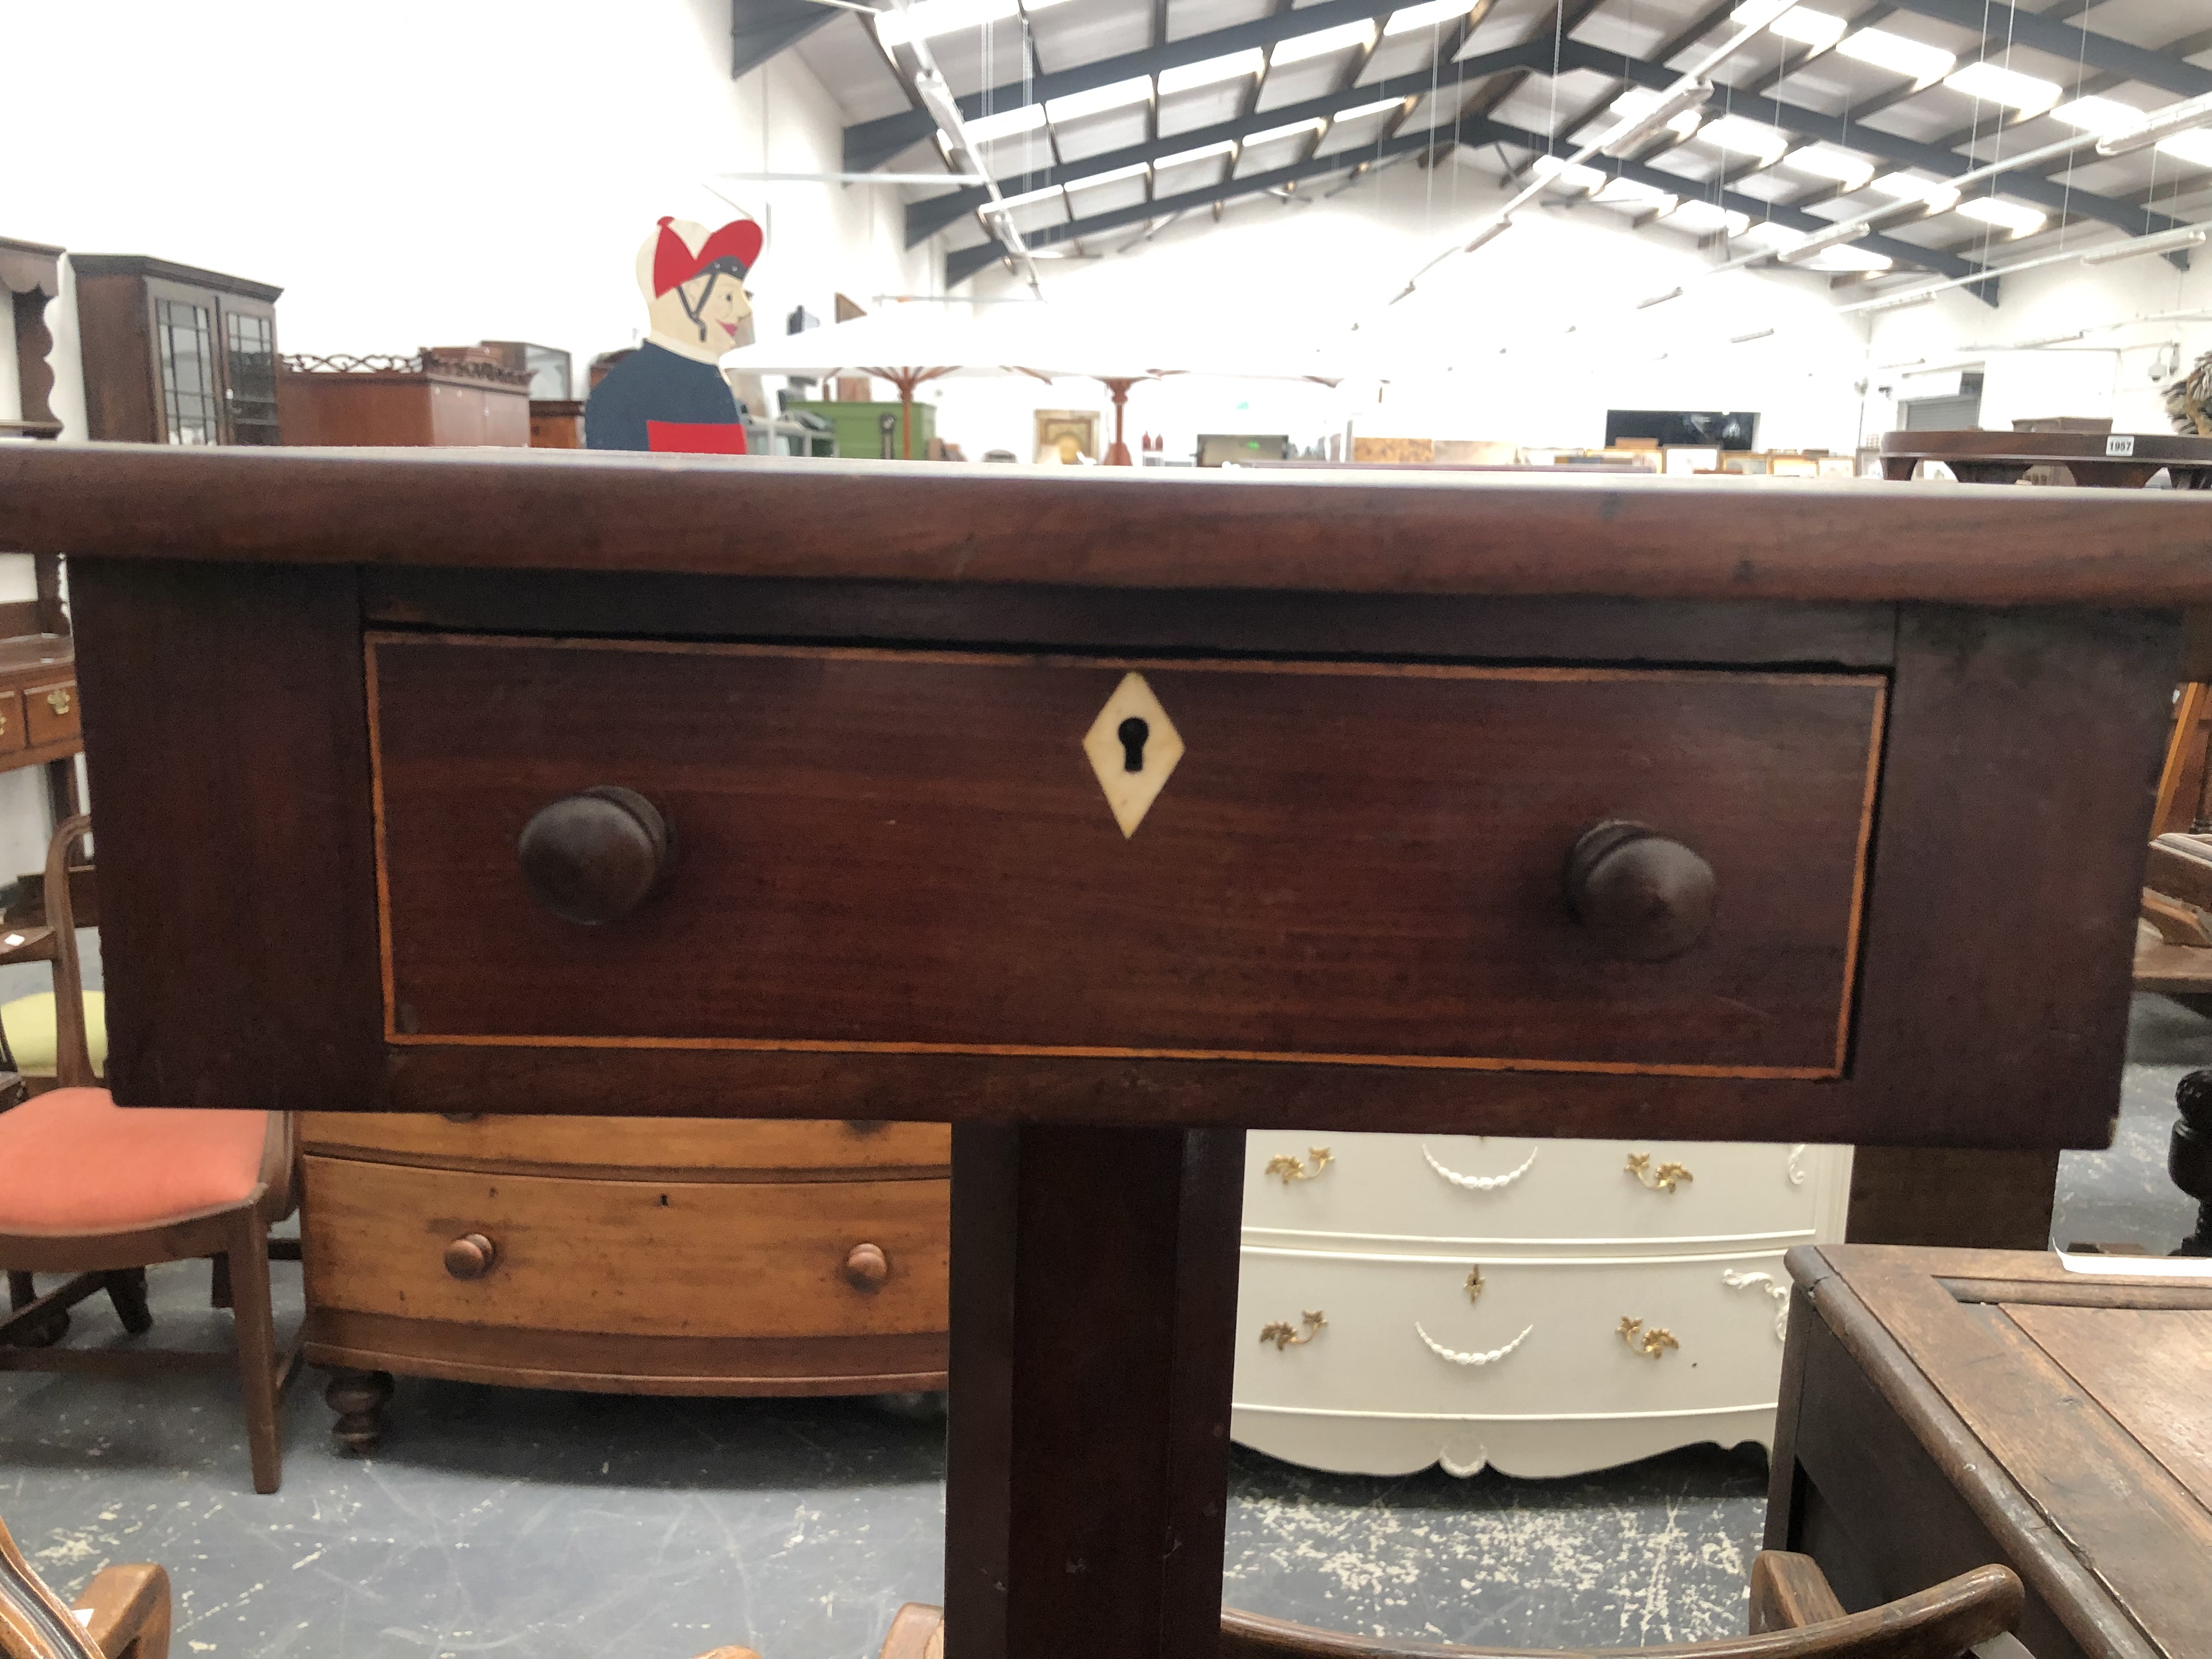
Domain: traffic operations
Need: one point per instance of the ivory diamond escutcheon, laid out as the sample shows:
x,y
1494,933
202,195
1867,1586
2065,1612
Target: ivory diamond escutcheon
x,y
1132,747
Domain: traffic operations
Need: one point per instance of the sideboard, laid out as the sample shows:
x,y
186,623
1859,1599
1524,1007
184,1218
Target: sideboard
x,y
1109,816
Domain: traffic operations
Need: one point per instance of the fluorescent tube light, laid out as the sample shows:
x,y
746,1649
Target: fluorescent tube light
x,y
2098,115
1361,112
1702,218
1905,302
1406,19
1800,23
2192,147
1570,175
2159,124
1638,101
1320,43
1027,198
1112,176
1994,84
2005,215
1755,334
1743,137
2168,241
1627,193
1489,231
1914,59
1230,66
1821,241
1663,110
1006,123
1776,239
1203,152
1830,161
1659,298
1292,130
1119,94
1849,258
1912,187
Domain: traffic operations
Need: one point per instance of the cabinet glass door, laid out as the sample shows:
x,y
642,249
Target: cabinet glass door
x,y
250,376
183,347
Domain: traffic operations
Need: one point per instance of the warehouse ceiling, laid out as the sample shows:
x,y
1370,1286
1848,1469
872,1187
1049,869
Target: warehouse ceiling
x,y
1103,121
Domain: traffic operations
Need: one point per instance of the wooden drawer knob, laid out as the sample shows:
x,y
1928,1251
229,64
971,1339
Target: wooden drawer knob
x,y
1640,895
470,1256
596,856
866,1267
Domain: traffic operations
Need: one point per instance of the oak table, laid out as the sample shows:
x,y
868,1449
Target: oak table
x,y
2121,460
1106,815
1947,1408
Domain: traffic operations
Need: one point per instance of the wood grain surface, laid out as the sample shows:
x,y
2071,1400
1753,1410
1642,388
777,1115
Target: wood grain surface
x,y
1093,1330
908,851
644,1258
691,1149
2150,1369
1624,535
228,743
2109,1537
597,1362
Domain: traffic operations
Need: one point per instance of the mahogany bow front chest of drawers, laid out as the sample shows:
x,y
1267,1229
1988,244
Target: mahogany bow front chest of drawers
x,y
1105,817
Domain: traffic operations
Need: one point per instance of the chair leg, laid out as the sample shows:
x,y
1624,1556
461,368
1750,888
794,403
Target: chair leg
x,y
255,1326
126,1289
22,1291
219,1282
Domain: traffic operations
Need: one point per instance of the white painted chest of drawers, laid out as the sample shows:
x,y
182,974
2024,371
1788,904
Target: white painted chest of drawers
x,y
1540,1307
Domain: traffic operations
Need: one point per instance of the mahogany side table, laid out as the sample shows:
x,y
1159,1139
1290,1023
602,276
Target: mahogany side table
x,y
1106,817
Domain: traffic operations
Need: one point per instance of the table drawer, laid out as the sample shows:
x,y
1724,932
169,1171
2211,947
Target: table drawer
x,y
1550,1330
50,712
912,852
1387,1187
11,721
701,1258
634,1147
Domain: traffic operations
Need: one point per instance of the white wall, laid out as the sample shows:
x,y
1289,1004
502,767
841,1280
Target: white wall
x,y
423,173
2109,373
1482,349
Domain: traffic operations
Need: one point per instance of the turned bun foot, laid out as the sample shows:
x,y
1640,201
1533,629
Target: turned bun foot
x,y
359,1398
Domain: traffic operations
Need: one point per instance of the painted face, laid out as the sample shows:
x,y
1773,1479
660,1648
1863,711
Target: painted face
x,y
710,309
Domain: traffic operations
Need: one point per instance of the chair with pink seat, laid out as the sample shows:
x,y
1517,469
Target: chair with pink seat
x,y
102,1192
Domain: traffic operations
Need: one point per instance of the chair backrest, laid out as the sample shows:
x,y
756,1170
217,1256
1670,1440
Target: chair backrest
x,y
35,1623
72,1053
1938,1622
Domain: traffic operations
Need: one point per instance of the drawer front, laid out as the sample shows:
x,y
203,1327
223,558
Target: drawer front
x,y
1557,1323
50,712
1389,1187
626,1257
912,852
699,1147
11,721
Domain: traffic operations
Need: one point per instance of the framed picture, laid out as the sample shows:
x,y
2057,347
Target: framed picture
x,y
1067,437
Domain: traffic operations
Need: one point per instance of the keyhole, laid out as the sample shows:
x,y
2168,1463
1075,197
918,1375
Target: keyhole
x,y
1132,732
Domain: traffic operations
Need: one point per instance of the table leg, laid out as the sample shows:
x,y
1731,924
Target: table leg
x,y
1094,1302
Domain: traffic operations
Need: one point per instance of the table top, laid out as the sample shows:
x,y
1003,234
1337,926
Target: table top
x,y
2070,1410
1638,537
2164,447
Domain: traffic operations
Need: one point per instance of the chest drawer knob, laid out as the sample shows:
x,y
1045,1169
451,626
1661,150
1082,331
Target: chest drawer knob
x,y
594,857
866,1267
470,1256
1641,896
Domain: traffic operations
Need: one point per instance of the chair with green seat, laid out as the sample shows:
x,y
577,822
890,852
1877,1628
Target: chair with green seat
x,y
28,1025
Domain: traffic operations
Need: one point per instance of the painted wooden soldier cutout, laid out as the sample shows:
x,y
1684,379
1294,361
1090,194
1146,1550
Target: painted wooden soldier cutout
x,y
669,395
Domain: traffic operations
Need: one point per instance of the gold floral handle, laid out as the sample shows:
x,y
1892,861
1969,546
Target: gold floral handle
x,y
1294,1169
1664,1179
1283,1334
58,700
1651,1343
